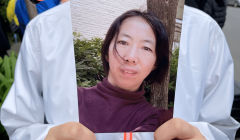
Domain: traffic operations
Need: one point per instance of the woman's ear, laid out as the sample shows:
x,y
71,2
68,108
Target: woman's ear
x,y
106,57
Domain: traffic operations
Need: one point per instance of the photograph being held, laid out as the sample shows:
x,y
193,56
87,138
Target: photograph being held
x,y
135,51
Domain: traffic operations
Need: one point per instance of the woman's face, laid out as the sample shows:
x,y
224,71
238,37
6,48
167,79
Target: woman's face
x,y
136,45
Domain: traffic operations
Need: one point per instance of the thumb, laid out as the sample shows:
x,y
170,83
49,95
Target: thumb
x,y
83,133
73,131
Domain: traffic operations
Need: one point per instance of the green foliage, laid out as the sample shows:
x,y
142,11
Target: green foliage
x,y
89,67
173,70
171,105
3,7
7,67
173,77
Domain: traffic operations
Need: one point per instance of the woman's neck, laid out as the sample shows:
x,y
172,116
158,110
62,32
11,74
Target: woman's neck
x,y
129,89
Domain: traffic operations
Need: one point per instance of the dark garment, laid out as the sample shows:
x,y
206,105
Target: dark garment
x,y
4,44
105,108
22,15
215,8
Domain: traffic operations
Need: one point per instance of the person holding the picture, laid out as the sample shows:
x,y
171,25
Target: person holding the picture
x,y
135,50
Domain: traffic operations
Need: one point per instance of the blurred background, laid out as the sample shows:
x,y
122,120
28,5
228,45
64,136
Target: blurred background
x,y
231,30
14,17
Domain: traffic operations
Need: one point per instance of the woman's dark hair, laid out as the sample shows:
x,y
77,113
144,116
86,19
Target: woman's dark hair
x,y
162,46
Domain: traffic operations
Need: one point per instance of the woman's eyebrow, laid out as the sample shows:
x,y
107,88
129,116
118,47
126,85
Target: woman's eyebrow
x,y
126,35
145,40
148,41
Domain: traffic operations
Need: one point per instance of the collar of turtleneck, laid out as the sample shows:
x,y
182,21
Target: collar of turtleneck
x,y
109,89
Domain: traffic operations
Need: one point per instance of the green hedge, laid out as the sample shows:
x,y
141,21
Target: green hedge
x,y
89,67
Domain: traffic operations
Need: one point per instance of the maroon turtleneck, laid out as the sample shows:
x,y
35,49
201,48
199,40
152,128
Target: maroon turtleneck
x,y
104,108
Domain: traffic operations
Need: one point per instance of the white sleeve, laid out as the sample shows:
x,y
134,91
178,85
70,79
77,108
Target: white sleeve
x,y
205,78
219,90
45,64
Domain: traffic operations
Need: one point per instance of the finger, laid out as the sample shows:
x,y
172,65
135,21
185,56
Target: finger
x,y
86,134
75,131
175,128
164,132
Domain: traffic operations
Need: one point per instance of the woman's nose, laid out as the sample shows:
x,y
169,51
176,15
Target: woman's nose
x,y
131,56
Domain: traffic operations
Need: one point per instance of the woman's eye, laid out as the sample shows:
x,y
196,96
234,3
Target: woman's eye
x,y
122,42
146,48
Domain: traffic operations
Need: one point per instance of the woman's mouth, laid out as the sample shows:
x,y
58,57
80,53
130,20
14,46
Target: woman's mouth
x,y
129,72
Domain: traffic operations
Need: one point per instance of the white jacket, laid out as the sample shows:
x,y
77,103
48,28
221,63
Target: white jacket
x,y
205,77
46,64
